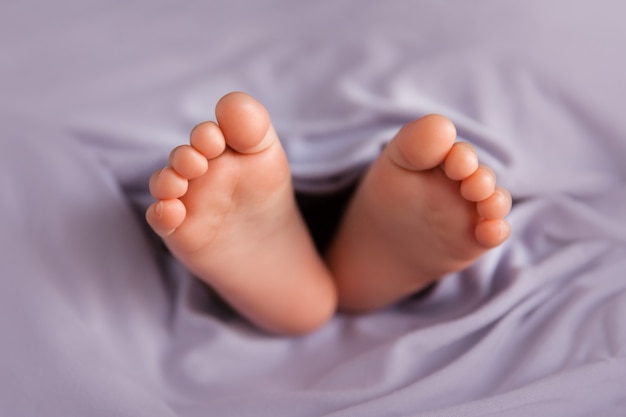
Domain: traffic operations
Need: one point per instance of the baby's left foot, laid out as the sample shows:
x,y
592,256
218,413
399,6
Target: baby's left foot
x,y
424,209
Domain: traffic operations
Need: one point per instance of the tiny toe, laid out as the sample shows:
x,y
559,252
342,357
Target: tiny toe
x,y
166,184
422,144
188,162
491,233
164,216
245,123
461,161
480,185
208,139
496,206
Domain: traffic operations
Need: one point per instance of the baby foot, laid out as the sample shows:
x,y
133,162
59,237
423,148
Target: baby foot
x,y
225,208
424,209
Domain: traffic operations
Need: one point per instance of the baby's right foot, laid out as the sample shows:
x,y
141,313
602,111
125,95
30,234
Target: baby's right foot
x,y
225,208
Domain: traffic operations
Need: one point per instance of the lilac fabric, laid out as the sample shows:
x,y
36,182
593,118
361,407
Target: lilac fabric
x,y
96,319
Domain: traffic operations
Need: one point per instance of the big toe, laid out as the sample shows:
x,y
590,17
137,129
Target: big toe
x,y
423,144
245,123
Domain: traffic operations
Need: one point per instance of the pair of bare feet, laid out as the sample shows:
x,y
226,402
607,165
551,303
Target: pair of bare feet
x,y
226,209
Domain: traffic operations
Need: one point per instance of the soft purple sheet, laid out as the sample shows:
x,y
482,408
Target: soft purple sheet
x,y
95,318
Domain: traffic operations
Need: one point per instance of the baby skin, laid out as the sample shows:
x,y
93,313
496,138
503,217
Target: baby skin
x,y
225,207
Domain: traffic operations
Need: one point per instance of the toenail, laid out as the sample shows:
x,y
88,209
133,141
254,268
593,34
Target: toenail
x,y
504,229
158,208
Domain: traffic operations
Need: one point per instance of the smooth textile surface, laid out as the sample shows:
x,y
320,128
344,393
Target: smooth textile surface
x,y
97,320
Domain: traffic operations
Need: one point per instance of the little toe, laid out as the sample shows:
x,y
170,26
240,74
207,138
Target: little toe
x,y
496,206
461,161
166,184
245,123
188,162
208,139
492,232
480,185
422,144
164,216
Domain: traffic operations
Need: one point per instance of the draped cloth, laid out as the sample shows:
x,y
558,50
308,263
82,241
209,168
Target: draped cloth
x,y
97,319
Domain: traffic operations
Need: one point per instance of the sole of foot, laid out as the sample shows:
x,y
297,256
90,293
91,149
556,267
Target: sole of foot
x,y
425,208
225,208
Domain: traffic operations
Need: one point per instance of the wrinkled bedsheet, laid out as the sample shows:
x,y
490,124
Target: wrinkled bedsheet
x,y
96,319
